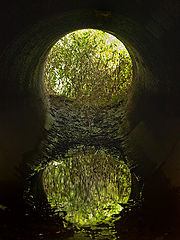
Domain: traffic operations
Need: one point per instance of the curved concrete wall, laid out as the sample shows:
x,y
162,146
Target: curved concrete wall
x,y
149,31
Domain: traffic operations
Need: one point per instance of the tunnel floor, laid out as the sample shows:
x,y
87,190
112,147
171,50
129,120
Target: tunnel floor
x,y
143,221
15,225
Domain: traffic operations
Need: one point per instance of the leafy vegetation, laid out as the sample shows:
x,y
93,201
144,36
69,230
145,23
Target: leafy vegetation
x,y
87,186
90,66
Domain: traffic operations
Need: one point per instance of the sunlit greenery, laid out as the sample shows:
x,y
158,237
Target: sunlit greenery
x,y
88,185
89,65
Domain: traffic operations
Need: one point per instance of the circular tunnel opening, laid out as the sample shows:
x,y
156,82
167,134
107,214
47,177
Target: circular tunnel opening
x,y
88,186
90,66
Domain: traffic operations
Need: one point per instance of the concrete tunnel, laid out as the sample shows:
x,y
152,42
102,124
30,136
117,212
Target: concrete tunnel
x,y
150,32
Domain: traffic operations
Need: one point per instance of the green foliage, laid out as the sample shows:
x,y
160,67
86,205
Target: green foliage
x,y
90,66
89,185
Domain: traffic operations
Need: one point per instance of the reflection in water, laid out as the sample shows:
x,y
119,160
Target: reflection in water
x,y
87,187
98,233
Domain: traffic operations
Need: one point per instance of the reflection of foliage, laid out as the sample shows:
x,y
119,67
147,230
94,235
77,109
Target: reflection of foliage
x,y
89,185
89,65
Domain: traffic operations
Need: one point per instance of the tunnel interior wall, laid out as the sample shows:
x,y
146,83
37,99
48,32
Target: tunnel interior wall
x,y
152,118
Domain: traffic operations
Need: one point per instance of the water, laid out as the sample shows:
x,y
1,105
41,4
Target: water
x,y
87,189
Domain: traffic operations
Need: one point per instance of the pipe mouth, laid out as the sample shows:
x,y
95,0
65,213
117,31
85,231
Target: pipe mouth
x,y
90,66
